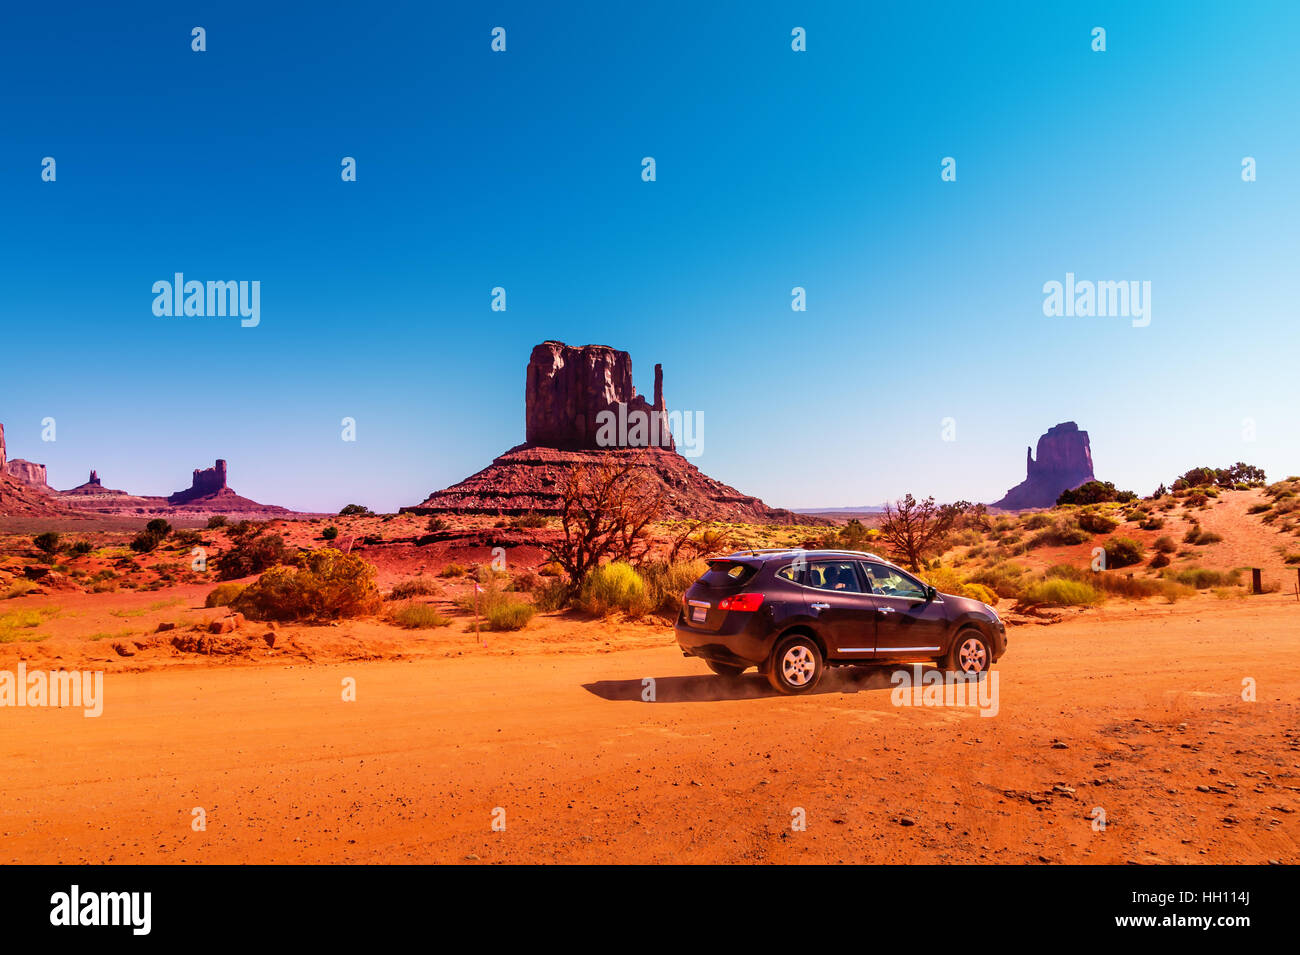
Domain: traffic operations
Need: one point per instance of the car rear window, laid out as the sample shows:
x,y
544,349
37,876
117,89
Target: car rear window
x,y
727,573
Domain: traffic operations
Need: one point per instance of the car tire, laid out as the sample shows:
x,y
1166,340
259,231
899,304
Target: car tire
x,y
725,669
971,652
795,665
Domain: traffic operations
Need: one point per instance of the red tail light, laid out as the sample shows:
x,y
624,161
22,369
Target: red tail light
x,y
744,602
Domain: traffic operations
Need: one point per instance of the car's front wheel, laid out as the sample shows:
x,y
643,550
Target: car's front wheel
x,y
970,653
796,664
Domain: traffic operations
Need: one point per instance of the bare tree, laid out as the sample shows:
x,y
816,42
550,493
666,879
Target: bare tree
x,y
709,540
912,529
605,514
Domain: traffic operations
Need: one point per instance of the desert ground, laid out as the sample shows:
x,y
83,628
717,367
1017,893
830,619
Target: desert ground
x,y
1137,711
1172,711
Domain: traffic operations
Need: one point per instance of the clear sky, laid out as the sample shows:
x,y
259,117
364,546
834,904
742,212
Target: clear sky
x,y
522,169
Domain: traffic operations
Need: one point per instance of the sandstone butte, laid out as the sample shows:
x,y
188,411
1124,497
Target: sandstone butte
x,y
1064,461
566,389
24,491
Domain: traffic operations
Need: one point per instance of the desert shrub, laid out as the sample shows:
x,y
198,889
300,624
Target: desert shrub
x,y
186,539
1096,523
145,541
1005,578
47,543
1038,521
216,521
1165,545
1198,499
1228,593
1203,578
435,524
1208,537
223,595
1061,534
330,533
355,510
1260,508
416,616
508,614
81,548
1122,551
158,526
1291,558
17,588
252,555
551,594
1059,592
1152,523
414,587
612,587
551,569
326,584
667,582
525,581
1095,492
529,520
948,581
1159,560
452,570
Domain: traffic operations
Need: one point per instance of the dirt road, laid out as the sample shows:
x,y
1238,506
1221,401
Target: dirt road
x,y
1137,712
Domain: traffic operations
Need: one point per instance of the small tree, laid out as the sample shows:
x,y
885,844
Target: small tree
x,y
605,514
47,543
912,529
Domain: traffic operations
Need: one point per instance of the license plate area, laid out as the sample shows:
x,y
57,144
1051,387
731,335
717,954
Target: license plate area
x,y
699,611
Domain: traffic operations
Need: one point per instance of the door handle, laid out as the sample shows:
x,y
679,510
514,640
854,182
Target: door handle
x,y
820,606
884,609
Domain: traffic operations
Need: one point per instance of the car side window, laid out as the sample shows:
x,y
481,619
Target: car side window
x,y
793,573
833,575
892,582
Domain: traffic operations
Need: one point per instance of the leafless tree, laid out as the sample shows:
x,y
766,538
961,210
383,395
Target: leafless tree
x,y
912,529
605,514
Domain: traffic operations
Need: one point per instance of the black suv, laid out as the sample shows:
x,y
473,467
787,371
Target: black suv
x,y
791,613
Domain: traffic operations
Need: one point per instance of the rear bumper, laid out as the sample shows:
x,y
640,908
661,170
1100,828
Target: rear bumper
x,y
739,642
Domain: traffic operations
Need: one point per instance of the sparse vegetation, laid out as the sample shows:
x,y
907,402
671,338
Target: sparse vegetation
x,y
47,543
216,521
330,533
1122,552
414,587
1095,522
1060,592
251,554
326,585
17,588
223,595
615,586
452,570
417,616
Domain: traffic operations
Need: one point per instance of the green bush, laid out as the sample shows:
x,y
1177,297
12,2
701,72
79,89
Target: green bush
x,y
415,616
507,614
551,594
82,547
47,543
1122,552
1005,578
1059,592
216,521
666,583
1063,533
1165,545
414,587
1097,523
1038,521
252,555
614,587
529,520
1203,578
326,584
330,533
355,510
223,595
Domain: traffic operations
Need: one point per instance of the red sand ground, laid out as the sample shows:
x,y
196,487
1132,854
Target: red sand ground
x,y
1146,700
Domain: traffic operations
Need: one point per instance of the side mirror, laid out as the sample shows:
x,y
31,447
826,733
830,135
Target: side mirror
x,y
931,593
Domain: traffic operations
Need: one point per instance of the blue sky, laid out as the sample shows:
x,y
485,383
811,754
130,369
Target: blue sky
x,y
522,169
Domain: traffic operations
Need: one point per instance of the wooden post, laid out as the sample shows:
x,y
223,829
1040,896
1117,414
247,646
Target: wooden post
x,y
1256,586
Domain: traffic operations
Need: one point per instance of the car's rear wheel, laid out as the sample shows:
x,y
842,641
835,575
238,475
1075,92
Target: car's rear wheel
x,y
796,664
970,653
725,669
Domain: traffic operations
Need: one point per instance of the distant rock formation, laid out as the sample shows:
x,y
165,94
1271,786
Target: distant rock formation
x,y
567,389
2,449
1064,462
205,484
28,472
